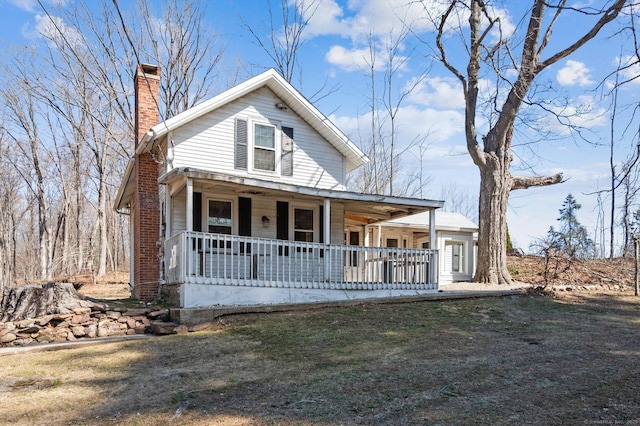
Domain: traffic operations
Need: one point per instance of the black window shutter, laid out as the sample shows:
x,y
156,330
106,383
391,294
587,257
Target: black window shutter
x,y
197,211
282,220
287,151
240,161
244,217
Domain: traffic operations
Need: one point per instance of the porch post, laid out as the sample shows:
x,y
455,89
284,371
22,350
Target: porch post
x,y
167,212
327,239
327,221
189,204
432,245
365,235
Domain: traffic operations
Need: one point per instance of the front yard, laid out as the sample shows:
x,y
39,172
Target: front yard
x,y
515,360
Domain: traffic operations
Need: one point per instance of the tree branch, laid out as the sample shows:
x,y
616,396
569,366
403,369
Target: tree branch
x,y
609,15
524,182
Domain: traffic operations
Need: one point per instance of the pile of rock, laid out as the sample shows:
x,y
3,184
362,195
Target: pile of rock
x,y
83,322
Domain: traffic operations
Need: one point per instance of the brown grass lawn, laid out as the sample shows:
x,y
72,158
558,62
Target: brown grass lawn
x,y
515,360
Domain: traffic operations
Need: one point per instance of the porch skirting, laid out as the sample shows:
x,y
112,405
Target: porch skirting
x,y
206,295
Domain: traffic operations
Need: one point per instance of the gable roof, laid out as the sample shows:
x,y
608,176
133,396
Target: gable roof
x,y
289,96
445,221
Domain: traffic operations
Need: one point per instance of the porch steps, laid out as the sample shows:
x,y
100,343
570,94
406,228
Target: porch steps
x,y
193,316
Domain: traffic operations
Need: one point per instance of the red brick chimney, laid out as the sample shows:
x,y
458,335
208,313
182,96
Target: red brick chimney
x,y
146,210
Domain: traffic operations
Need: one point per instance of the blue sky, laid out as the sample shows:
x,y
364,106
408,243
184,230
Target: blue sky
x,y
333,52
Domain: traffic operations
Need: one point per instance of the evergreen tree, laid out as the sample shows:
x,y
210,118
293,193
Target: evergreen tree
x,y
572,238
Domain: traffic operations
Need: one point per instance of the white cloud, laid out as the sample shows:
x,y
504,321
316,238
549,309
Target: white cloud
x,y
574,73
438,92
361,58
438,127
27,5
504,28
352,59
372,17
32,5
52,28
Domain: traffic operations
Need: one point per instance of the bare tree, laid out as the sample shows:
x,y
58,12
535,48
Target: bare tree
x,y
282,43
487,48
393,99
22,128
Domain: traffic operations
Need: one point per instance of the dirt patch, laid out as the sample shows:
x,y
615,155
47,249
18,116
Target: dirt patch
x,y
514,360
538,271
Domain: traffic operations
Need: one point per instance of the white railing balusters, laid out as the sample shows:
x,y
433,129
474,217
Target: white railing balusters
x,y
197,257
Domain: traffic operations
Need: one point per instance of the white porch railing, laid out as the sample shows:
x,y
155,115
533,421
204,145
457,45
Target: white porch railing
x,y
196,257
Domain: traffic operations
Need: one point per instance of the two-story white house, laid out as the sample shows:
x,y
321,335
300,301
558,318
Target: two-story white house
x,y
241,200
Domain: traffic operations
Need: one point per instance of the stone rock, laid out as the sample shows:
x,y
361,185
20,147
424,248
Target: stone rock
x,y
63,324
140,330
114,329
130,332
103,332
9,337
161,327
79,319
71,337
123,318
81,310
158,314
113,315
23,342
29,330
182,329
131,323
78,331
42,321
25,323
91,330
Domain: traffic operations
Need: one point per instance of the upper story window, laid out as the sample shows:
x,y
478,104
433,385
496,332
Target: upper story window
x,y
264,147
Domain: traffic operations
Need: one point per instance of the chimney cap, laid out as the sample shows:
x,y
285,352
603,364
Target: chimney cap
x,y
149,69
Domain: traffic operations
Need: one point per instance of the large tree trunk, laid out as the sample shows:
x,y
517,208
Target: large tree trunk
x,y
495,185
34,301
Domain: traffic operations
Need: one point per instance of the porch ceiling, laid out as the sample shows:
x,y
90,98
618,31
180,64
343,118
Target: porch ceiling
x,y
365,208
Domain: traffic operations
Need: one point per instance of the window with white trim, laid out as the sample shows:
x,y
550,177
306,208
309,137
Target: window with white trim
x,y
264,149
219,217
303,225
456,257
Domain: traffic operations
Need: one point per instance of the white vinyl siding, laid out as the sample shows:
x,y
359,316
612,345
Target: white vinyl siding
x,y
208,144
260,206
178,212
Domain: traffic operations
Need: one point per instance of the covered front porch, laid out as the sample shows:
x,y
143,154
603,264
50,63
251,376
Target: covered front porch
x,y
338,258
